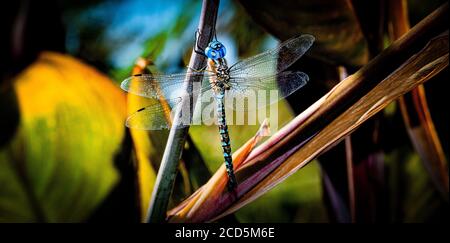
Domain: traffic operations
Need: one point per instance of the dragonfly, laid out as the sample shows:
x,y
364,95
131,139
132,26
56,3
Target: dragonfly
x,y
265,71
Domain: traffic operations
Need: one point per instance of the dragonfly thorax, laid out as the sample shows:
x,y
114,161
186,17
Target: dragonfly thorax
x,y
221,68
222,73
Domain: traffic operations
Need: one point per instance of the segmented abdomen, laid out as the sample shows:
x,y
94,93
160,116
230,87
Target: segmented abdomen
x,y
225,140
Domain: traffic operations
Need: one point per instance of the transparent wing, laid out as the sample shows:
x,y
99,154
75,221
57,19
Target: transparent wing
x,y
273,61
160,115
159,86
256,92
156,116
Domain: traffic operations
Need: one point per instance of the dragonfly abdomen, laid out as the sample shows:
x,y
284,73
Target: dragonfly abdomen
x,y
225,140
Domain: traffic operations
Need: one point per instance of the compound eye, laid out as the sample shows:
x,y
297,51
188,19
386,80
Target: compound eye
x,y
215,50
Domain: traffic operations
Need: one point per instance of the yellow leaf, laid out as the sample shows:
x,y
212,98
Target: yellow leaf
x,y
59,166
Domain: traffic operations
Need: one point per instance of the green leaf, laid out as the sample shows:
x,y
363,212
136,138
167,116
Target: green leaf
x,y
59,165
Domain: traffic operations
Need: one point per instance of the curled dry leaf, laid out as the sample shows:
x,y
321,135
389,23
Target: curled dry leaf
x,y
416,113
142,145
208,194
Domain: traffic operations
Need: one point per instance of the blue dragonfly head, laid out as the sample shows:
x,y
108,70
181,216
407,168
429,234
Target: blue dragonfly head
x,y
215,50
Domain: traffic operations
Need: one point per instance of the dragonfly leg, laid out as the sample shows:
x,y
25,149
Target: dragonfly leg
x,y
198,71
197,48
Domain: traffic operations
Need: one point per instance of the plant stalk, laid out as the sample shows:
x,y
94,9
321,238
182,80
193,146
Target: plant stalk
x,y
168,169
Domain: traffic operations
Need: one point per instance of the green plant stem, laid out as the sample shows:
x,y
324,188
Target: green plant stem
x,y
177,136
